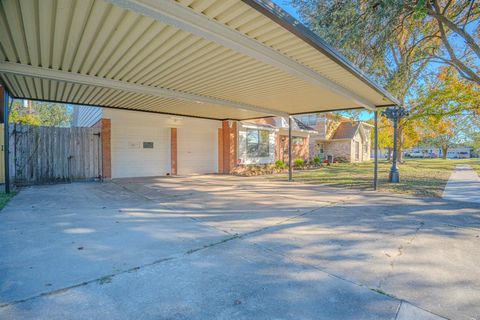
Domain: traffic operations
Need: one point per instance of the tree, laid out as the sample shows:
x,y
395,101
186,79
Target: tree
x,y
40,113
448,95
446,31
440,133
384,50
385,135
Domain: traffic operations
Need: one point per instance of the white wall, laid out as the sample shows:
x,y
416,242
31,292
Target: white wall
x,y
196,144
242,146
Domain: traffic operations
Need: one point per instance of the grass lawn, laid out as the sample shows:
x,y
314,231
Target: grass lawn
x,y
4,198
423,177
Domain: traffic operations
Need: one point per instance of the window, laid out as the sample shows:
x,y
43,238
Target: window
x,y
298,140
257,143
308,119
321,148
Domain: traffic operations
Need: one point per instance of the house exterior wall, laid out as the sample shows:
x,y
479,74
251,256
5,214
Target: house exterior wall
x,y
85,116
364,145
243,157
339,148
299,151
196,144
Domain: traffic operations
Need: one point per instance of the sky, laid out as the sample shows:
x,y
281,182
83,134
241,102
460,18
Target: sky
x,y
284,4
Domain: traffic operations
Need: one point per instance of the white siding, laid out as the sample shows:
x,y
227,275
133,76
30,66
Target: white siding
x,y
196,144
242,146
85,116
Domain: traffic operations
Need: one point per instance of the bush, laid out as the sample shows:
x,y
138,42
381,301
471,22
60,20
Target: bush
x,y
317,161
256,169
279,164
298,163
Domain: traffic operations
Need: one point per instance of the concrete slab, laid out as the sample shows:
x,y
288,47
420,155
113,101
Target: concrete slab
x,y
409,312
47,244
221,247
463,185
228,281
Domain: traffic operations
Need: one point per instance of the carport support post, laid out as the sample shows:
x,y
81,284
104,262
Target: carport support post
x,y
375,152
6,140
289,148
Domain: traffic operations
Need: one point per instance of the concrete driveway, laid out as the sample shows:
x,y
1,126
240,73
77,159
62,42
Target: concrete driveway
x,y
222,247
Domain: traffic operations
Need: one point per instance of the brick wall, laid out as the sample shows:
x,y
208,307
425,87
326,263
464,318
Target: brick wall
x,y
340,148
229,145
299,151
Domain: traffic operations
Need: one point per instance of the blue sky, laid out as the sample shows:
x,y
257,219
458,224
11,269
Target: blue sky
x,y
287,7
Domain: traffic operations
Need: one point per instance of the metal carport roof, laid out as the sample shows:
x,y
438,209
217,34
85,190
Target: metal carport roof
x,y
219,59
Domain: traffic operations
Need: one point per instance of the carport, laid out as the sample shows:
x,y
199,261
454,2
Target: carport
x,y
214,59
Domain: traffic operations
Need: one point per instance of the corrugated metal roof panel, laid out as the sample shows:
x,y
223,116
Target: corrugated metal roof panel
x,y
100,39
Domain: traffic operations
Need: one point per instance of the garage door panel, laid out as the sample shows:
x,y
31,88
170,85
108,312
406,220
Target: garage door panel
x,y
197,149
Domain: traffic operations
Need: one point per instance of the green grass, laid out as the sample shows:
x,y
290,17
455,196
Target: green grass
x,y
423,177
4,198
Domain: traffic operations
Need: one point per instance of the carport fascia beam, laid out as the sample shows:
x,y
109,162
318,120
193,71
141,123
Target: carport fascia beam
x,y
82,79
177,15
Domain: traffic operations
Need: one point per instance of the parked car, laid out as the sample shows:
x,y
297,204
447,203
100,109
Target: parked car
x,y
416,154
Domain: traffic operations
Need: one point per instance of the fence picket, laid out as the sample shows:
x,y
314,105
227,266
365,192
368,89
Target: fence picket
x,y
52,154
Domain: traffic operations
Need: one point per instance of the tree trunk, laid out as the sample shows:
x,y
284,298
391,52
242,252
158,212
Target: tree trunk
x,y
444,152
389,153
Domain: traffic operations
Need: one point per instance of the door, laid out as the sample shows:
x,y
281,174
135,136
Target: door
x,y
357,151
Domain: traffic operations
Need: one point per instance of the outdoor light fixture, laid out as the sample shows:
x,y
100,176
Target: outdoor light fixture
x,y
394,114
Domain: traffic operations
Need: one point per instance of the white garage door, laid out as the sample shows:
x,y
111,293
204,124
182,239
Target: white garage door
x,y
197,147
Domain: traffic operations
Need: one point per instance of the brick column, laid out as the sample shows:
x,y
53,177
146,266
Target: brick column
x,y
230,140
220,150
173,151
105,135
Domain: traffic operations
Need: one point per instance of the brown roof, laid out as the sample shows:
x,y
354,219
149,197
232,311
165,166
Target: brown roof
x,y
346,130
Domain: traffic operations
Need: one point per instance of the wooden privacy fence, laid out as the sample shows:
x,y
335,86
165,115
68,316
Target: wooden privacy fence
x,y
52,154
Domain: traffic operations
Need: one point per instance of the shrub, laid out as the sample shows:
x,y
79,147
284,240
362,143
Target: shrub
x,y
298,163
279,164
317,161
256,169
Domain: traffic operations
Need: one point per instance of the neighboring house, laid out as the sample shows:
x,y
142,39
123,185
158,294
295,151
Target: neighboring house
x,y
338,137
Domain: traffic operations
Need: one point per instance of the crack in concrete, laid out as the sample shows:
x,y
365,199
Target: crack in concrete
x,y
101,279
361,285
400,251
